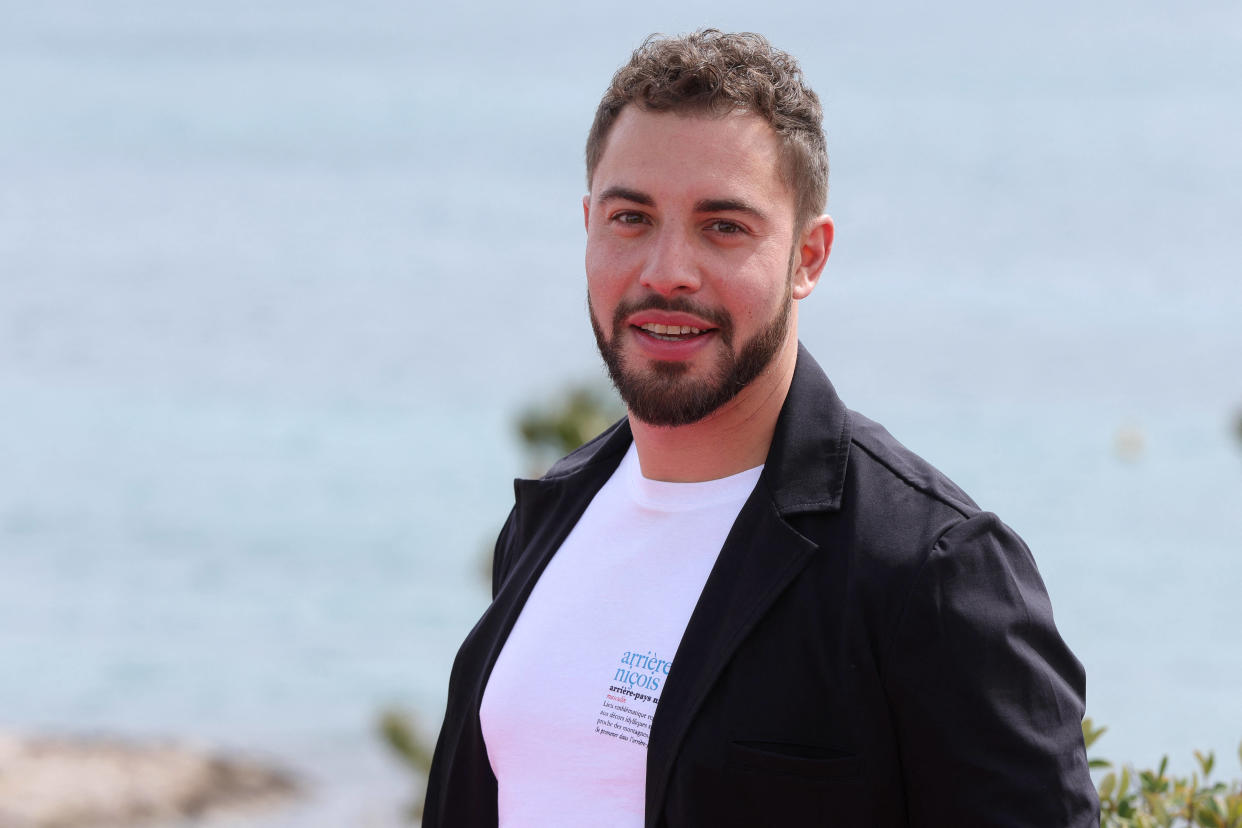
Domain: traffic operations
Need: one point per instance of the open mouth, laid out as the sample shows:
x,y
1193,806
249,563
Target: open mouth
x,y
672,333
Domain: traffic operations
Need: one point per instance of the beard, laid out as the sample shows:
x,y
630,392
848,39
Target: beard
x,y
662,395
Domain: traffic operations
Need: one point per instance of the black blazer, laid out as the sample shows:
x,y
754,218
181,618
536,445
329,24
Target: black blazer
x,y
870,649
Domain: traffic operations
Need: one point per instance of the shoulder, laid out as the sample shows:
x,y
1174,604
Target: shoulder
x,y
897,513
882,465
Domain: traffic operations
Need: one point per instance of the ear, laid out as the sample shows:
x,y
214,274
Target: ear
x,y
586,211
813,248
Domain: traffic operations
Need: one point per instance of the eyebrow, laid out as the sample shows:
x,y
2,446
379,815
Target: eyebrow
x,y
626,194
707,205
728,205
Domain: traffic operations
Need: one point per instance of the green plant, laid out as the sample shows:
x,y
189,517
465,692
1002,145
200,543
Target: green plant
x,y
561,425
1154,799
401,732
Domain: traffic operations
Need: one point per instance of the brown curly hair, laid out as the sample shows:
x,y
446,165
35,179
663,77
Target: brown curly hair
x,y
714,72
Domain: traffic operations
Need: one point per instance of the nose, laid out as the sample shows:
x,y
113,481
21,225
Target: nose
x,y
671,266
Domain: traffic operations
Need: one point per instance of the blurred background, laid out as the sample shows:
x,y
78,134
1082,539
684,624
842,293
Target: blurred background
x,y
277,279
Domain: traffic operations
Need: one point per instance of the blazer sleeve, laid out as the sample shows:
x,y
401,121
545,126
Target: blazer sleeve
x,y
988,698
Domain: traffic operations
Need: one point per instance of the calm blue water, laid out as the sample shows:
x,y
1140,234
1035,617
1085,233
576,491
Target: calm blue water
x,y
275,280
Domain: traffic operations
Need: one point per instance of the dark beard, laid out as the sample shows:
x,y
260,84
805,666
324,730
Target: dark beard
x,y
664,397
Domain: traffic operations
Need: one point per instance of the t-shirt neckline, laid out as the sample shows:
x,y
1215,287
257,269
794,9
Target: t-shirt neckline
x,y
676,497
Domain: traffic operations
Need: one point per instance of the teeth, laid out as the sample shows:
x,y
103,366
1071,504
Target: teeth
x,y
670,330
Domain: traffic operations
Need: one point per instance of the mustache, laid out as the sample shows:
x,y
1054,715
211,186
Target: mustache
x,y
679,304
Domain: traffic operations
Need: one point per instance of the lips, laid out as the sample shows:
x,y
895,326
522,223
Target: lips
x,y
671,329
670,336
670,333
669,325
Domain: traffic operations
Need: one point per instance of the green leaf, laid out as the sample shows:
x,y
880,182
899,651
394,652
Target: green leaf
x,y
1107,784
1206,762
401,734
1090,732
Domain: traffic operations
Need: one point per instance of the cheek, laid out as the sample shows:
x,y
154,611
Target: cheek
x,y
606,275
755,300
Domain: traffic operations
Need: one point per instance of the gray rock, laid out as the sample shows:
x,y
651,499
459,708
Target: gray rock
x,y
60,782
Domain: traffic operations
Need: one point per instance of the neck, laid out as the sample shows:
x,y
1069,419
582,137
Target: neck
x,y
732,439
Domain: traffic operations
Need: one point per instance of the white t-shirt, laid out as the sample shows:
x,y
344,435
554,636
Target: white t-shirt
x,y
567,709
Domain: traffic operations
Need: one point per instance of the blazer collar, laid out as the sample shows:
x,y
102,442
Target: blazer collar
x,y
805,469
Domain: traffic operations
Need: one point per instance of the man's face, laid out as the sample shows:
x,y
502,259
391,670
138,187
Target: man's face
x,y
690,255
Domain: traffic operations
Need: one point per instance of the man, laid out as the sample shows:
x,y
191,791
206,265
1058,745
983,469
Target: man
x,y
745,604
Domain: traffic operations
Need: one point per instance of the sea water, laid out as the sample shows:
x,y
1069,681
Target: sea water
x,y
276,279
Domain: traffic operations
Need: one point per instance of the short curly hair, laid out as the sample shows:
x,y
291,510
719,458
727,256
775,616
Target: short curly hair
x,y
716,73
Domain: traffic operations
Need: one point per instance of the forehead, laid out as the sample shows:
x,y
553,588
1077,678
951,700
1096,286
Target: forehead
x,y
676,155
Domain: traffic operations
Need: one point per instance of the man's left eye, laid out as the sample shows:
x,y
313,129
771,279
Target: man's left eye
x,y
726,227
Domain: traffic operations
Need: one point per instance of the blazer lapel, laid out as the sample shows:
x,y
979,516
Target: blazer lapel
x,y
758,560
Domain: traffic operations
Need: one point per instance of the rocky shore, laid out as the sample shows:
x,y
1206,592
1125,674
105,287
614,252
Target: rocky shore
x,y
61,782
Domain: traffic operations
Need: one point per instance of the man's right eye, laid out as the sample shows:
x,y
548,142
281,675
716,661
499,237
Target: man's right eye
x,y
628,217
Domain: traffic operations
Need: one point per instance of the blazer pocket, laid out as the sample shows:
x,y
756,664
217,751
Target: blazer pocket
x,y
809,761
